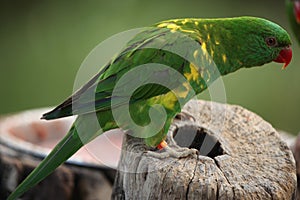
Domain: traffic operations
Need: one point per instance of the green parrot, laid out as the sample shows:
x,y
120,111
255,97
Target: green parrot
x,y
293,10
204,50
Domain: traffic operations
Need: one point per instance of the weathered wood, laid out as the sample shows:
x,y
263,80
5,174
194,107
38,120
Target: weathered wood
x,y
67,182
295,146
242,157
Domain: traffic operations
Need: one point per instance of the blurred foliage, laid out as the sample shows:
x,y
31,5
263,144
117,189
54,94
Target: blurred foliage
x,y
42,44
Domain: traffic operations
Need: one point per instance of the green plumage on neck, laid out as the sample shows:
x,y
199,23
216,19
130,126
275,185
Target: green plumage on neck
x,y
241,40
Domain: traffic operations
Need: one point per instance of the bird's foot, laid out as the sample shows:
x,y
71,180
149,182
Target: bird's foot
x,y
184,116
166,151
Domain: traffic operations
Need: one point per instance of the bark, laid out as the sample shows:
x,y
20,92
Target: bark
x,y
241,157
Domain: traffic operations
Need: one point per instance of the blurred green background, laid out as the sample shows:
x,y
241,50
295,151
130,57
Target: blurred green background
x,y
43,43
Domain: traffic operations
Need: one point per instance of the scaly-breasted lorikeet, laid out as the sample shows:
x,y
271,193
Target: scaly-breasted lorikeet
x,y
230,43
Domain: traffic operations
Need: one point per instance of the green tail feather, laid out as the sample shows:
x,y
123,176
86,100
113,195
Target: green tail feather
x,y
63,150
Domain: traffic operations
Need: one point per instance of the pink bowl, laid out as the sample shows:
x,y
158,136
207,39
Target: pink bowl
x,y
25,132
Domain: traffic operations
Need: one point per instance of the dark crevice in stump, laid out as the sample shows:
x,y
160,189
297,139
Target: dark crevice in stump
x,y
190,182
193,136
241,157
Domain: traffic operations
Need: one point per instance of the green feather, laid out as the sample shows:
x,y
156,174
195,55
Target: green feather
x,y
231,43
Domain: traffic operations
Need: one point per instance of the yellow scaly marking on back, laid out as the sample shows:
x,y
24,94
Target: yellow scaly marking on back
x,y
169,100
196,54
193,75
185,21
212,52
162,25
208,36
205,53
203,47
174,27
224,57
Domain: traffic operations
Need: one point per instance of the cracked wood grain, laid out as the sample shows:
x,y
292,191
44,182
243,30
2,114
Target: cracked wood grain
x,y
241,157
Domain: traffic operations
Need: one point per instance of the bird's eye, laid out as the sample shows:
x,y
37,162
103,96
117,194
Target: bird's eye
x,y
271,41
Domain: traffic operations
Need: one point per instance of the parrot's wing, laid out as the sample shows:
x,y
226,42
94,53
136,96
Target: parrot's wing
x,y
146,47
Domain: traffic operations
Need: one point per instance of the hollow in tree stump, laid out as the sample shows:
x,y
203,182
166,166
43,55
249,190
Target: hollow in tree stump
x,y
241,157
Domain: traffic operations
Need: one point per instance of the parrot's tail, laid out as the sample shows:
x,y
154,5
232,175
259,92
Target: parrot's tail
x,y
63,150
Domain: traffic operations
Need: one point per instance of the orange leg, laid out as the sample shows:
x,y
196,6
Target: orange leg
x,y
179,152
163,144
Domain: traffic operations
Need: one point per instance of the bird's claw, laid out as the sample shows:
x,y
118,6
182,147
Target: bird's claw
x,y
175,153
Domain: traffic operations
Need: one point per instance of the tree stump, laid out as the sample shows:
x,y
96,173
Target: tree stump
x,y
241,157
295,146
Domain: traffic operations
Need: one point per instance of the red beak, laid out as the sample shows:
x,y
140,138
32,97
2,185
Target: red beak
x,y
285,56
297,11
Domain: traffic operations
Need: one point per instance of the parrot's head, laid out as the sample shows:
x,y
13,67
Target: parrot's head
x,y
237,42
259,41
277,40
